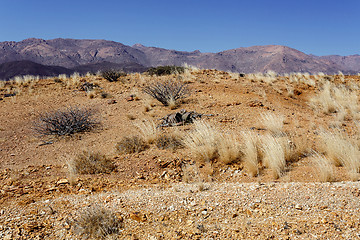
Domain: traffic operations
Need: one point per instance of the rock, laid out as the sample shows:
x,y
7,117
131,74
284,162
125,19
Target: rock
x,y
112,101
130,98
137,216
298,207
62,181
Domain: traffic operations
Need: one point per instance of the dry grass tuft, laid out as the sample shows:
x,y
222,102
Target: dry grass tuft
x,y
148,130
324,168
132,144
89,162
98,223
273,122
274,155
250,151
343,152
202,141
229,149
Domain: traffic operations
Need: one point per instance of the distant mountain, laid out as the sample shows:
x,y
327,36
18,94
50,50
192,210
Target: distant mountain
x,y
18,68
93,55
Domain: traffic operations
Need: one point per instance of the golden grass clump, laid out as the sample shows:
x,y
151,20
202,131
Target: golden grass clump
x,y
132,144
324,167
273,122
89,162
251,153
202,141
228,148
343,152
148,130
274,155
98,223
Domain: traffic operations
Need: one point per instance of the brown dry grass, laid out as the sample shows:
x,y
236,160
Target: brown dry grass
x,y
89,162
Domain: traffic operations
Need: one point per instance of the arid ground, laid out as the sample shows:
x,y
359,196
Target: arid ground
x,y
175,193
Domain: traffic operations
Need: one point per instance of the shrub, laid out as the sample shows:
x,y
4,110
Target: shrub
x,y
168,92
91,163
66,122
165,70
132,144
169,141
98,223
112,75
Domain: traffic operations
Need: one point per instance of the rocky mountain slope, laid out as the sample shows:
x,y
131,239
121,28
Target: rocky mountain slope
x,y
72,53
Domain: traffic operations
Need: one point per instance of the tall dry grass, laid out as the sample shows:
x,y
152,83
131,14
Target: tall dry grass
x,y
324,167
273,122
250,151
274,155
342,151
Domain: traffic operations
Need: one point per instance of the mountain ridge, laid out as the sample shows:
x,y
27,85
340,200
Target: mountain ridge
x,y
73,53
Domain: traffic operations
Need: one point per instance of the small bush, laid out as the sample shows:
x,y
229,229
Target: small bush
x,y
91,163
168,92
112,75
169,142
165,70
98,223
132,144
66,122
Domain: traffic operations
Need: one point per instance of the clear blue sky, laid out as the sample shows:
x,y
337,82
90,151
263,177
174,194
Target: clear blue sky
x,y
320,27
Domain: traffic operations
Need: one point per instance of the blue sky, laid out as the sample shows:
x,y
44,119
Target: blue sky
x,y
313,26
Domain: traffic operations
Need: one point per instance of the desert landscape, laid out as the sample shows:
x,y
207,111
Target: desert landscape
x,y
180,153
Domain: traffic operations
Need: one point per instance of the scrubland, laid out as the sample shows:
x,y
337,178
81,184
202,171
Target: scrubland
x,y
84,156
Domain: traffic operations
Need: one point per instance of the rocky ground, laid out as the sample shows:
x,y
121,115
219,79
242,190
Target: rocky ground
x,y
148,192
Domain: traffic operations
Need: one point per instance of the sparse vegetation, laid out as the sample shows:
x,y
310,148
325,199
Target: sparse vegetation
x,y
274,155
98,223
132,144
324,167
274,123
165,70
171,141
148,130
250,151
168,92
66,122
202,141
112,75
89,162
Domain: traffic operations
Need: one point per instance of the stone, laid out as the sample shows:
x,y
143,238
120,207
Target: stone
x,y
62,181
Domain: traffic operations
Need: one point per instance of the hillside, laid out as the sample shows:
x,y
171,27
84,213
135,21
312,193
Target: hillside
x,y
72,53
278,157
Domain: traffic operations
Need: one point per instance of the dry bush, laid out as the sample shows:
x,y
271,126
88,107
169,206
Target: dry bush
x,y
98,223
202,141
148,130
89,162
66,122
324,168
228,148
112,75
273,122
343,152
132,144
250,151
172,141
274,155
169,92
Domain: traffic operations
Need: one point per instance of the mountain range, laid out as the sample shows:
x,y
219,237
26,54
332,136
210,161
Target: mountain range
x,y
52,57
